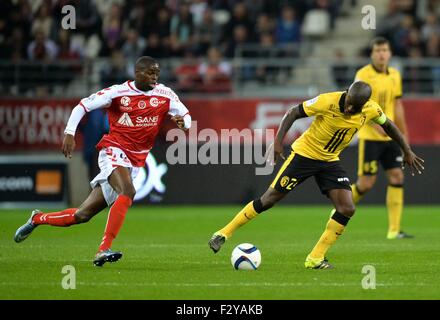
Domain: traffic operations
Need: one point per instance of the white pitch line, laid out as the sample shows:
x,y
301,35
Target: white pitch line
x,y
202,245
238,284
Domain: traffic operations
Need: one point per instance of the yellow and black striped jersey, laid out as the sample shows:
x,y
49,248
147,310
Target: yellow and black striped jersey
x,y
331,130
386,88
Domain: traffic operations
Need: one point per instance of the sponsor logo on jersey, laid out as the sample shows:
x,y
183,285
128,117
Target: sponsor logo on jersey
x,y
142,104
154,102
147,121
125,101
125,120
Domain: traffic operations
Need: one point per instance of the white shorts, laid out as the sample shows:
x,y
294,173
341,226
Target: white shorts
x,y
109,159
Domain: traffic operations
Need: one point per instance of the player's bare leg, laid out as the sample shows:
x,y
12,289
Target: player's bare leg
x,y
364,184
121,182
250,211
342,200
394,201
94,204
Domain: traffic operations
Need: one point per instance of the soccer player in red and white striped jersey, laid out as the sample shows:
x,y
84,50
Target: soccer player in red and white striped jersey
x,y
135,109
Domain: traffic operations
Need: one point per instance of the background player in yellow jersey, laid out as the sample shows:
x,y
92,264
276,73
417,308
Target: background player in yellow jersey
x,y
338,116
375,146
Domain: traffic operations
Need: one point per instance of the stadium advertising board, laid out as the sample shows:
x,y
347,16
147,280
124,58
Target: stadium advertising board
x,y
33,124
28,181
39,124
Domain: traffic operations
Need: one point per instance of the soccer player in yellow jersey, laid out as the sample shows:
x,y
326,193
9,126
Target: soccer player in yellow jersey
x,y
375,147
338,117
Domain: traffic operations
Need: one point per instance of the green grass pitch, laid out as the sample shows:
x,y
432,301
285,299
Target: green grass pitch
x,y
166,256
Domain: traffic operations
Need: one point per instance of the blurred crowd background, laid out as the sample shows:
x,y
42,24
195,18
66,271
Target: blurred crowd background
x,y
232,47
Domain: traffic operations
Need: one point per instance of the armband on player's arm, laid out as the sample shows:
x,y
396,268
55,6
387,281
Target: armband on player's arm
x,y
381,119
75,117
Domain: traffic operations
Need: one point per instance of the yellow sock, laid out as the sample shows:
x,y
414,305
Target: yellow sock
x,y
332,231
243,217
357,196
394,206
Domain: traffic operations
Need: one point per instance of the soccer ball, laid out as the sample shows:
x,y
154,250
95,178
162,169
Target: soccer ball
x,y
246,256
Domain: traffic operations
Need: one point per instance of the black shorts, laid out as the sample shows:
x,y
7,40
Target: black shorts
x,y
296,169
371,153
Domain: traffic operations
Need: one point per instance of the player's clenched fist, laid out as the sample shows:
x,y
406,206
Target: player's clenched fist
x,y
179,122
68,145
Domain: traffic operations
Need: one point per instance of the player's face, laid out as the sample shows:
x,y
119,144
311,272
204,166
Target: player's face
x,y
381,54
147,76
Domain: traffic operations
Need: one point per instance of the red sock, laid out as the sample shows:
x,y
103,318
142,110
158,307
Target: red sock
x,y
115,220
63,218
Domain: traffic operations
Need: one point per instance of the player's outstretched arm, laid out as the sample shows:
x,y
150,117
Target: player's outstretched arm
x,y
399,119
69,133
99,100
275,150
409,157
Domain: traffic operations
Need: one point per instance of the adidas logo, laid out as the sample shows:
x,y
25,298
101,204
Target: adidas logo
x,y
125,120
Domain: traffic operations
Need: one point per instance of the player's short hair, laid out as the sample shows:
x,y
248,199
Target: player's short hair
x,y
145,62
378,41
359,92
